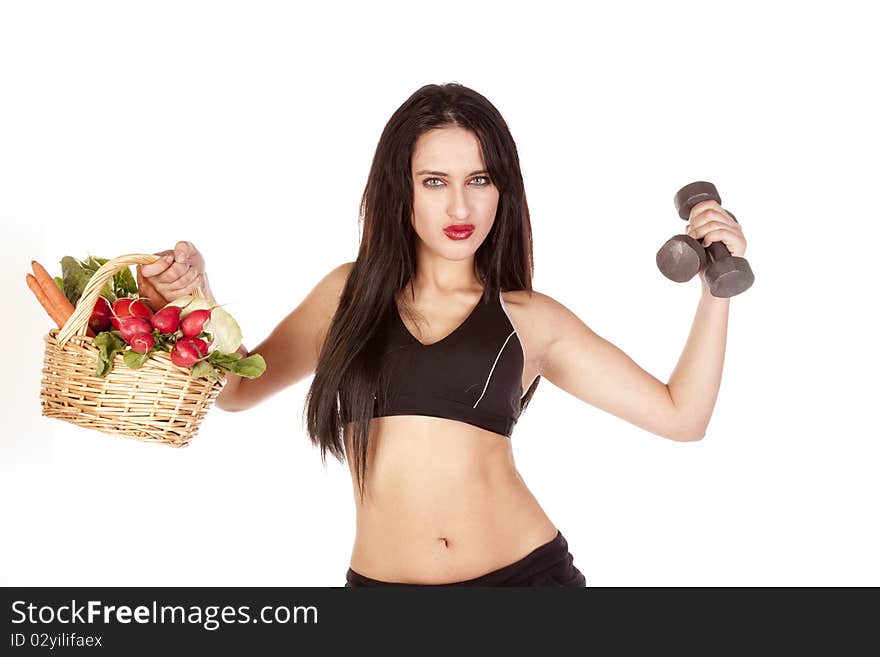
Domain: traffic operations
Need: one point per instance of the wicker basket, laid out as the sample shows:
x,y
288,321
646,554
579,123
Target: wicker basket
x,y
160,402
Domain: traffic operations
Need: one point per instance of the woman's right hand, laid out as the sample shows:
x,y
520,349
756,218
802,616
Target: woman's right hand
x,y
178,272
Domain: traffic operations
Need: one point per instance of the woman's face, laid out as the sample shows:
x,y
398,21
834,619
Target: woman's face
x,y
451,187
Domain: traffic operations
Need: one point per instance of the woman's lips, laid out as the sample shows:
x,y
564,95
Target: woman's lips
x,y
459,232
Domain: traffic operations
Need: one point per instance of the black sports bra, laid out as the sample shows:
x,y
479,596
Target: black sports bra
x,y
473,375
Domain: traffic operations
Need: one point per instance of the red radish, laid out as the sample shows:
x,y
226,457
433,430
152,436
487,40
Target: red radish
x,y
167,320
128,307
198,343
101,316
194,322
185,354
142,343
132,326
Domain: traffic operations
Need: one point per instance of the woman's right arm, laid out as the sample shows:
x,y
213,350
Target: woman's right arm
x,y
291,350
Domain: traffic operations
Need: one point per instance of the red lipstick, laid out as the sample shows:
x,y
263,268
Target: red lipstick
x,y
459,231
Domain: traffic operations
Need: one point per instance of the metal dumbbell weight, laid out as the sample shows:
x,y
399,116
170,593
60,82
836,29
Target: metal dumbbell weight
x,y
682,256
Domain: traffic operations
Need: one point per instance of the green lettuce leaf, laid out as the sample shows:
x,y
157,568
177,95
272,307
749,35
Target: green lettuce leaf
x,y
90,265
203,369
135,360
109,344
74,278
250,367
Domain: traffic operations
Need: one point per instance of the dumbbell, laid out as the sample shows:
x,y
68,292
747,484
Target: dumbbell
x,y
682,256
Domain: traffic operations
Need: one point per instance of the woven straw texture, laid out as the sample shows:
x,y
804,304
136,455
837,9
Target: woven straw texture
x,y
159,402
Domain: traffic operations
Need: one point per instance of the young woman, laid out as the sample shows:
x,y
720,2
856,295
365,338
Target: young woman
x,y
426,349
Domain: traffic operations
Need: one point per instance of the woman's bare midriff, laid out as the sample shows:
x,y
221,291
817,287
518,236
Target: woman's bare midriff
x,y
443,503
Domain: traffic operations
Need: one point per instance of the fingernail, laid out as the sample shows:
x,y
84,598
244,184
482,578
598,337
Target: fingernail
x,y
169,259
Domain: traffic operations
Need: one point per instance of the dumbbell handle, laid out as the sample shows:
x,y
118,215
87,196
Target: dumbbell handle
x,y
718,250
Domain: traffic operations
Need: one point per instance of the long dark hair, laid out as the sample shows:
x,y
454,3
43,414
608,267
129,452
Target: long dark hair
x,y
347,380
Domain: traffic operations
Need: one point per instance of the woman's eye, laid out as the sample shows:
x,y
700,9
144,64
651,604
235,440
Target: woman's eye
x,y
485,179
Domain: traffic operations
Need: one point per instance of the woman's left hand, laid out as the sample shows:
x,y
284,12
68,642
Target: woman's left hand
x,y
710,223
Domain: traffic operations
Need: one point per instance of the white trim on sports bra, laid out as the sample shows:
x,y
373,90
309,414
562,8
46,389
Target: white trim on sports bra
x,y
493,366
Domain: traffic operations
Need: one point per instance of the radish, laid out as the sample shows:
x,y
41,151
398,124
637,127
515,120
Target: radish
x,y
142,343
185,353
224,330
132,326
167,320
199,344
194,322
101,315
128,307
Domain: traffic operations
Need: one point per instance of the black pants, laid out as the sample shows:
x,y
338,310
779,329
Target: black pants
x,y
550,564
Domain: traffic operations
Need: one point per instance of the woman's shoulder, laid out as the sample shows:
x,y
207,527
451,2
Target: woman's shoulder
x,y
531,311
326,294
532,301
539,319
344,269
334,281
537,308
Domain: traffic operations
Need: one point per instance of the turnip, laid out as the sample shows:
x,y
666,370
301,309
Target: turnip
x,y
132,326
128,307
224,331
194,322
142,343
167,320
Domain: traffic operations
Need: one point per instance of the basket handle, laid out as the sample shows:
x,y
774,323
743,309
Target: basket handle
x,y
78,322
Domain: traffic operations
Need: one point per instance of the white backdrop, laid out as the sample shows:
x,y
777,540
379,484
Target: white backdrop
x,y
248,128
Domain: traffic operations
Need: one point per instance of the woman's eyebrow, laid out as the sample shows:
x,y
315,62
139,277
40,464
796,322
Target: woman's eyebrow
x,y
442,173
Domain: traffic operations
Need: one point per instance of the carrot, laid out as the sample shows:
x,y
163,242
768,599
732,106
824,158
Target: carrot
x,y
61,306
58,301
34,285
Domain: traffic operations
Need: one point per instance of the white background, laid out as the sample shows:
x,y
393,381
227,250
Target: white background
x,y
249,128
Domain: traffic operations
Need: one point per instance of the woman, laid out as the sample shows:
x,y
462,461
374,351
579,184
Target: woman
x,y
427,347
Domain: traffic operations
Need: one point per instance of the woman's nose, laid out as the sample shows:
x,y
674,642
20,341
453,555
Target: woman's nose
x,y
458,204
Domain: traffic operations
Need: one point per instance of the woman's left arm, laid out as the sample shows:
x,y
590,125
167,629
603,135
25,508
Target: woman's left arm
x,y
594,370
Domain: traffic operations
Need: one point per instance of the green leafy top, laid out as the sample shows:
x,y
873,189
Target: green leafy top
x,y
75,274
